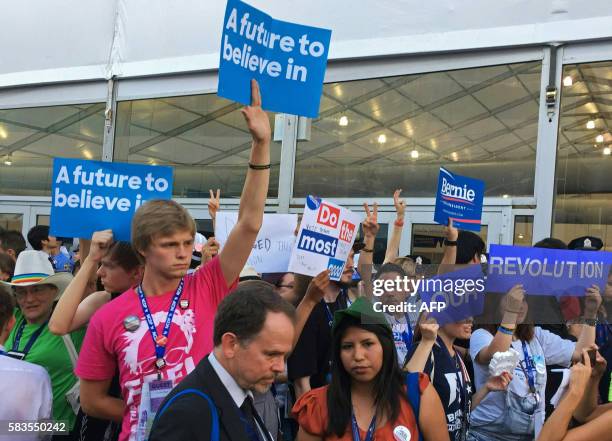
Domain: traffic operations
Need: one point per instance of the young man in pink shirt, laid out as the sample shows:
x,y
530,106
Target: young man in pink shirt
x,y
161,329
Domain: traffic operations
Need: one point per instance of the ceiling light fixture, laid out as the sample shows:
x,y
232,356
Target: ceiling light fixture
x,y
414,154
8,160
382,138
590,124
506,196
599,138
568,81
607,151
3,133
343,121
521,236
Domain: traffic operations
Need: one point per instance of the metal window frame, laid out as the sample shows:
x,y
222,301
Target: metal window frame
x,y
341,70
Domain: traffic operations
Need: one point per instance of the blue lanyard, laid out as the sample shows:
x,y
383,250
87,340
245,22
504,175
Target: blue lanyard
x,y
530,368
160,349
330,317
407,336
31,340
369,434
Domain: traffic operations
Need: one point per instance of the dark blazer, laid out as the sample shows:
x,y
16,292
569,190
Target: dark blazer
x,y
188,418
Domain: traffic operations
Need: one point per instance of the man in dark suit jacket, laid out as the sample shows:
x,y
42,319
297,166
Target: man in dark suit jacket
x,y
253,334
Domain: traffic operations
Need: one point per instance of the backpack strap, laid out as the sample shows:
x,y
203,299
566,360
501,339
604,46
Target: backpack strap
x,y
414,396
214,432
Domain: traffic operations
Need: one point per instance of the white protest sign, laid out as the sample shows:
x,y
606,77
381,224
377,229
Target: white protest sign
x,y
326,237
272,248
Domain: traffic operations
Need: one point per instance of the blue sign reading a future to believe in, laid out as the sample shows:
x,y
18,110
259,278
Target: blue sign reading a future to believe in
x,y
544,271
90,196
459,198
288,60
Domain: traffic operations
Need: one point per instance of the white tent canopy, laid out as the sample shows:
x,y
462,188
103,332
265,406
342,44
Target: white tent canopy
x,y
70,40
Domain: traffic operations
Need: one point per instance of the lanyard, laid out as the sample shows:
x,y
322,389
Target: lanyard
x,y
330,317
407,336
31,340
160,341
530,369
371,429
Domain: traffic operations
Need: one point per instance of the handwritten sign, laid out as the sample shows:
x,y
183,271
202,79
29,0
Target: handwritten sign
x,y
88,196
272,248
326,237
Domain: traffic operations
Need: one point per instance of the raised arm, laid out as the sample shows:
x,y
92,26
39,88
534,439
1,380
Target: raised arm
x,y
214,203
556,426
68,315
501,341
370,229
586,340
253,199
429,332
451,234
396,234
314,294
588,405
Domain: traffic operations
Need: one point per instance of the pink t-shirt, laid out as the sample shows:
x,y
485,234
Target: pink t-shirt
x,y
108,345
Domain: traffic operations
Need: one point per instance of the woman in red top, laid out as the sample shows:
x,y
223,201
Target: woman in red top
x,y
366,399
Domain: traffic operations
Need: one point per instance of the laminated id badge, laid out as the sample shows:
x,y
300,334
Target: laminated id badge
x,y
153,394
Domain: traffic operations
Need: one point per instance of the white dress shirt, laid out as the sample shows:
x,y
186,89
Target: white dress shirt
x,y
237,393
26,392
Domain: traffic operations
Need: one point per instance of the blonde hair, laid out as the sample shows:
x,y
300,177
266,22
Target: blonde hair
x,y
407,264
159,218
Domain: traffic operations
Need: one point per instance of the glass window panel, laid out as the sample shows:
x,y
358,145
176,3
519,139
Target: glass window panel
x,y
373,136
31,138
427,240
583,204
11,221
43,219
203,137
523,230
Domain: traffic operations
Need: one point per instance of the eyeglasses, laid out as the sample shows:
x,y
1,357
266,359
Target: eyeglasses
x,y
36,290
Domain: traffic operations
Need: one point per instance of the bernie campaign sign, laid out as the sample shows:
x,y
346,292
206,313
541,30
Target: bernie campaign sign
x,y
459,198
288,60
544,271
90,196
325,238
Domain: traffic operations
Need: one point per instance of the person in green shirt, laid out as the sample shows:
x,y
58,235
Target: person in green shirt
x,y
36,288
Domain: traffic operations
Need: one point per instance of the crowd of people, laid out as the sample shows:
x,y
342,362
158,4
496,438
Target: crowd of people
x,y
170,337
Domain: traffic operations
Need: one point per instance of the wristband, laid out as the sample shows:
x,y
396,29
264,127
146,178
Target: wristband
x,y
399,223
505,330
367,250
259,167
450,243
590,322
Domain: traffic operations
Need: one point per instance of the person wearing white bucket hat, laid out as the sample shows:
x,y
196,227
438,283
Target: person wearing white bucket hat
x,y
36,288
